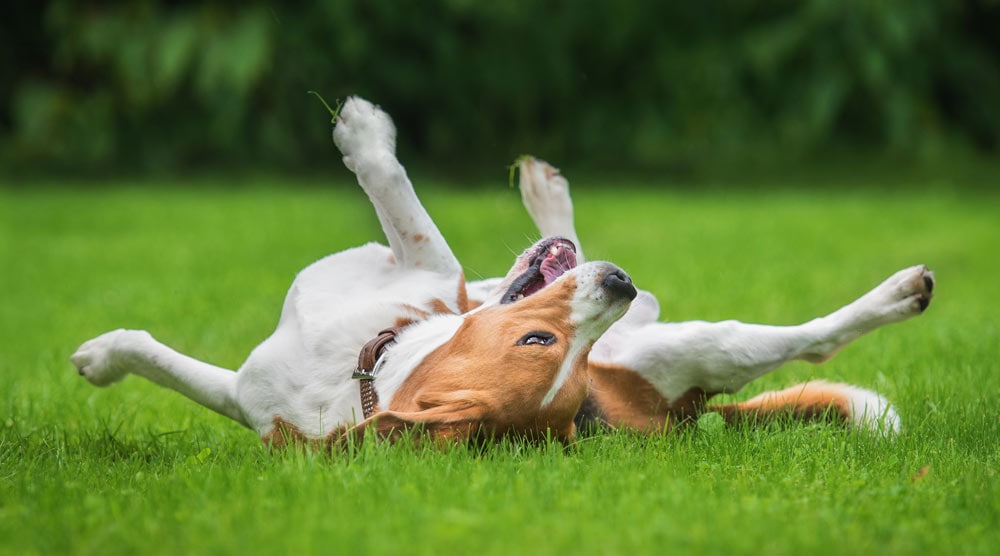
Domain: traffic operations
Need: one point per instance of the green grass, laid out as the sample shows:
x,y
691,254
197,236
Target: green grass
x,y
137,469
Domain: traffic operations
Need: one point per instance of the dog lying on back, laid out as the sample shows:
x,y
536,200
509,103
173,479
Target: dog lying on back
x,y
515,364
382,339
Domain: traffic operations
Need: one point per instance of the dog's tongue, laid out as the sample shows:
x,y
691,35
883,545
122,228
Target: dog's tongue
x,y
558,261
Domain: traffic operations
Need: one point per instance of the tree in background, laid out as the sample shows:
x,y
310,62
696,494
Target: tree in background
x,y
150,84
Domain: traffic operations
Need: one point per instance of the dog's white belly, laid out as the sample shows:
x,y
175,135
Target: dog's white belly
x,y
302,373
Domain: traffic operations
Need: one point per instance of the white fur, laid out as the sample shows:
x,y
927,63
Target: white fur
x,y
870,410
481,290
109,357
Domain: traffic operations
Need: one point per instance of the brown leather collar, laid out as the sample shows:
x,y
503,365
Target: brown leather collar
x,y
365,373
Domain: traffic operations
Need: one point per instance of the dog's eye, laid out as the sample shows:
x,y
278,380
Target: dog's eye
x,y
538,338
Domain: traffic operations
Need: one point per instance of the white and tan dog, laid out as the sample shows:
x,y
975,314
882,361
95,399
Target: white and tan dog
x,y
516,364
538,350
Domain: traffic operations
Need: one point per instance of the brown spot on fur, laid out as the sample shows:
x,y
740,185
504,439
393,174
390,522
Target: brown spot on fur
x,y
416,313
401,322
419,237
463,295
284,434
438,307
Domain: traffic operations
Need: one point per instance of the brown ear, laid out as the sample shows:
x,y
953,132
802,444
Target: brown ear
x,y
453,421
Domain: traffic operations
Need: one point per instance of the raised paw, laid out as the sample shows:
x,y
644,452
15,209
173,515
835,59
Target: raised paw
x,y
905,294
545,193
913,287
363,131
107,358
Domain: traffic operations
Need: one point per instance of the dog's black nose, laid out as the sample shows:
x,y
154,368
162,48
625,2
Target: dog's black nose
x,y
618,283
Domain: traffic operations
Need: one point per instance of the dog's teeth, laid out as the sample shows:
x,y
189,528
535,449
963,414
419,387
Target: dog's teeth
x,y
520,296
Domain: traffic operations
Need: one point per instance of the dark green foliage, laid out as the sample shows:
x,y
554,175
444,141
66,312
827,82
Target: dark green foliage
x,y
157,85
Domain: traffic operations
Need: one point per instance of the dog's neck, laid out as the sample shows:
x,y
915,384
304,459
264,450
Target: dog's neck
x,y
413,344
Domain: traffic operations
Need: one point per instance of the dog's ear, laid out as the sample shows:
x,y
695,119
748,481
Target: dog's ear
x,y
456,419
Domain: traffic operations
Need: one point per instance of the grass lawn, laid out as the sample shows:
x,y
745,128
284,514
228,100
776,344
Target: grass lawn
x,y
135,469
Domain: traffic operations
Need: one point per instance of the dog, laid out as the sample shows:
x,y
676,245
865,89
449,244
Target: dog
x,y
555,345
516,364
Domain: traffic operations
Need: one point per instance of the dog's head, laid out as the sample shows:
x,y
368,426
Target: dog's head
x,y
515,365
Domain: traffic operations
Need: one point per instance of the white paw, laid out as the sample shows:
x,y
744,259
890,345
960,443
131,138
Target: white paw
x,y
107,358
545,194
363,131
905,294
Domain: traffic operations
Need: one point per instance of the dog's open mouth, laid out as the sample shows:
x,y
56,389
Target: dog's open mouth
x,y
550,260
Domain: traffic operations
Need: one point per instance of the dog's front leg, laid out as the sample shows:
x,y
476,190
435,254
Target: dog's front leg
x,y
109,357
367,138
545,194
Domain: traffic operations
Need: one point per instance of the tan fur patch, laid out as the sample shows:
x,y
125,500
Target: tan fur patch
x,y
284,434
802,402
439,307
628,400
463,296
435,306
401,322
482,376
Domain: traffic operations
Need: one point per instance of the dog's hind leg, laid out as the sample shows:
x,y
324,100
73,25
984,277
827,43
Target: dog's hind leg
x,y
688,362
367,138
109,357
545,194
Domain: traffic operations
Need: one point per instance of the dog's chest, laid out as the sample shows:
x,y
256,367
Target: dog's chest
x,y
302,373
356,282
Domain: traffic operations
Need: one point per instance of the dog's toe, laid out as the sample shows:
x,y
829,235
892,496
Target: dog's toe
x,y
923,301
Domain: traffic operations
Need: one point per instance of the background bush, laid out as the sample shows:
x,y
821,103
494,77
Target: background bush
x,y
183,85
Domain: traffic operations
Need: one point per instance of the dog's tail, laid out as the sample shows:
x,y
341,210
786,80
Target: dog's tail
x,y
855,406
